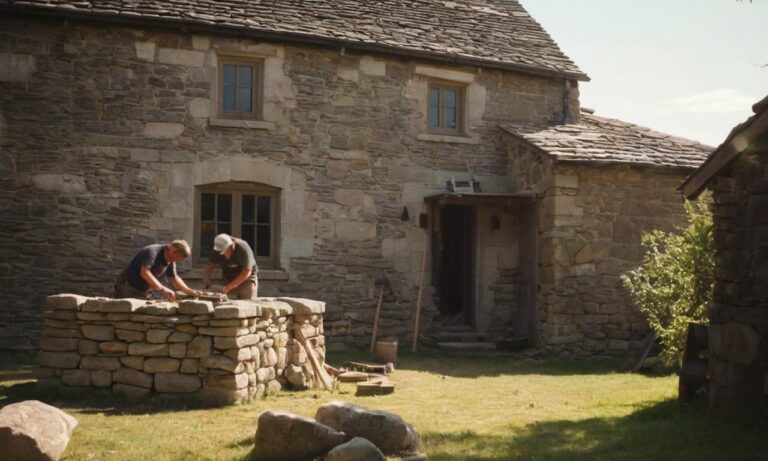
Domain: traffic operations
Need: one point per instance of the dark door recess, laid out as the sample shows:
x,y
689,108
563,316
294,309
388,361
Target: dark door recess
x,y
457,261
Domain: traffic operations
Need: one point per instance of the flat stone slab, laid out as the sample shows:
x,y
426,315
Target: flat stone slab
x,y
195,307
127,305
65,302
304,306
271,306
239,309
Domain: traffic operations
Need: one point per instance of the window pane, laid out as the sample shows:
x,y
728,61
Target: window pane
x,y
207,232
224,208
244,99
228,99
224,228
245,76
450,117
434,108
264,205
449,97
263,242
229,75
249,209
249,234
207,206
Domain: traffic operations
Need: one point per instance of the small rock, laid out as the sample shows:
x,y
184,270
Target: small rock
x,y
386,430
282,436
357,449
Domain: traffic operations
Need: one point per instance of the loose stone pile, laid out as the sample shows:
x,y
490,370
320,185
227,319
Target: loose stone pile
x,y
216,354
340,431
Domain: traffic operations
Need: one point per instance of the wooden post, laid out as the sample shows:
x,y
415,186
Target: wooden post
x,y
376,317
418,299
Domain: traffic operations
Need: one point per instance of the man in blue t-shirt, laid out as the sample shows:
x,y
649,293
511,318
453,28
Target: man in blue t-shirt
x,y
238,267
152,262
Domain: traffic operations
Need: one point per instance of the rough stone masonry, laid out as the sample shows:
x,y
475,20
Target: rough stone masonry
x,y
232,352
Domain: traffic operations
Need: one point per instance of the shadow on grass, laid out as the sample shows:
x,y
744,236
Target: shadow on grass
x,y
473,365
667,430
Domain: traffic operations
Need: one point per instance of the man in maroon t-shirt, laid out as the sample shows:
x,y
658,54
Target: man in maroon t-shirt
x,y
238,267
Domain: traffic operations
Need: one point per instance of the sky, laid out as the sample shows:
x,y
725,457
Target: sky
x,y
690,68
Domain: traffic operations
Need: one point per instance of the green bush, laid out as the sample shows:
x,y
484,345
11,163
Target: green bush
x,y
673,285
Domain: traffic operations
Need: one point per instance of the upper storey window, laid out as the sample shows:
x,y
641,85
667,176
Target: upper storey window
x,y
445,111
240,88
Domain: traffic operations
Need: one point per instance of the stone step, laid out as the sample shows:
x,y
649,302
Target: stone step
x,y
458,336
467,347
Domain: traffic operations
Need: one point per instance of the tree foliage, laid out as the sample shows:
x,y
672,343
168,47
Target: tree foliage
x,y
673,285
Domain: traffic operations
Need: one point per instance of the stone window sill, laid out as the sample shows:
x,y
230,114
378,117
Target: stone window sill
x,y
448,138
196,273
241,123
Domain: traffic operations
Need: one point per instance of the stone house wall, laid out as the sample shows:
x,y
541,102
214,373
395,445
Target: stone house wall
x,y
106,132
591,219
233,352
738,331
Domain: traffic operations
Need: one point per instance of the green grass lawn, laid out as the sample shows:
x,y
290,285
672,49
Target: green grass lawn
x,y
487,407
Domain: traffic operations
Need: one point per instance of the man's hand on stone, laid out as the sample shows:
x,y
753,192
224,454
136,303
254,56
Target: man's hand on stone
x,y
225,289
169,294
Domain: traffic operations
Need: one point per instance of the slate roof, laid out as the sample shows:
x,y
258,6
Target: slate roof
x,y
497,33
603,140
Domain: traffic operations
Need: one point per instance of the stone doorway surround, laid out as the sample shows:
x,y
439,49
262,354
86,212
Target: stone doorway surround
x,y
503,276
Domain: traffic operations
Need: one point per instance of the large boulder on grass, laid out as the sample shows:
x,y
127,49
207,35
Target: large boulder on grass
x,y
33,430
282,436
386,430
357,449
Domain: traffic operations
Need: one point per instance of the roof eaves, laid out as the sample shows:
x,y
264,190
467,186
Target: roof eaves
x,y
295,37
739,140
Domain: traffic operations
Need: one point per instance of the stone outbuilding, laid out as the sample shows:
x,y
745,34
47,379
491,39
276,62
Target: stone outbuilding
x,y
736,175
347,141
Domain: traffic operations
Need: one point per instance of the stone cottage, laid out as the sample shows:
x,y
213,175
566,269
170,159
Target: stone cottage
x,y
347,141
736,174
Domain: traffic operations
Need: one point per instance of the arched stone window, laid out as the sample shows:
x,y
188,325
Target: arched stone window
x,y
246,210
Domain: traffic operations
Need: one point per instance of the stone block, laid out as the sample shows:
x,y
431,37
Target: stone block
x,y
101,378
161,365
159,130
100,363
199,347
274,308
158,336
195,307
177,337
186,328
373,67
239,355
76,377
231,382
133,377
135,362
158,308
265,374
355,230
145,51
60,315
148,349
237,310
304,306
87,347
51,332
189,365
113,347
131,393
130,336
219,397
99,332
178,57
235,343
177,383
58,359
177,350
59,344
104,305
222,362
64,302
223,331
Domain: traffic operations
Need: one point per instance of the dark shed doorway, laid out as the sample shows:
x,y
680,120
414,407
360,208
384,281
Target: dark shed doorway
x,y
457,264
